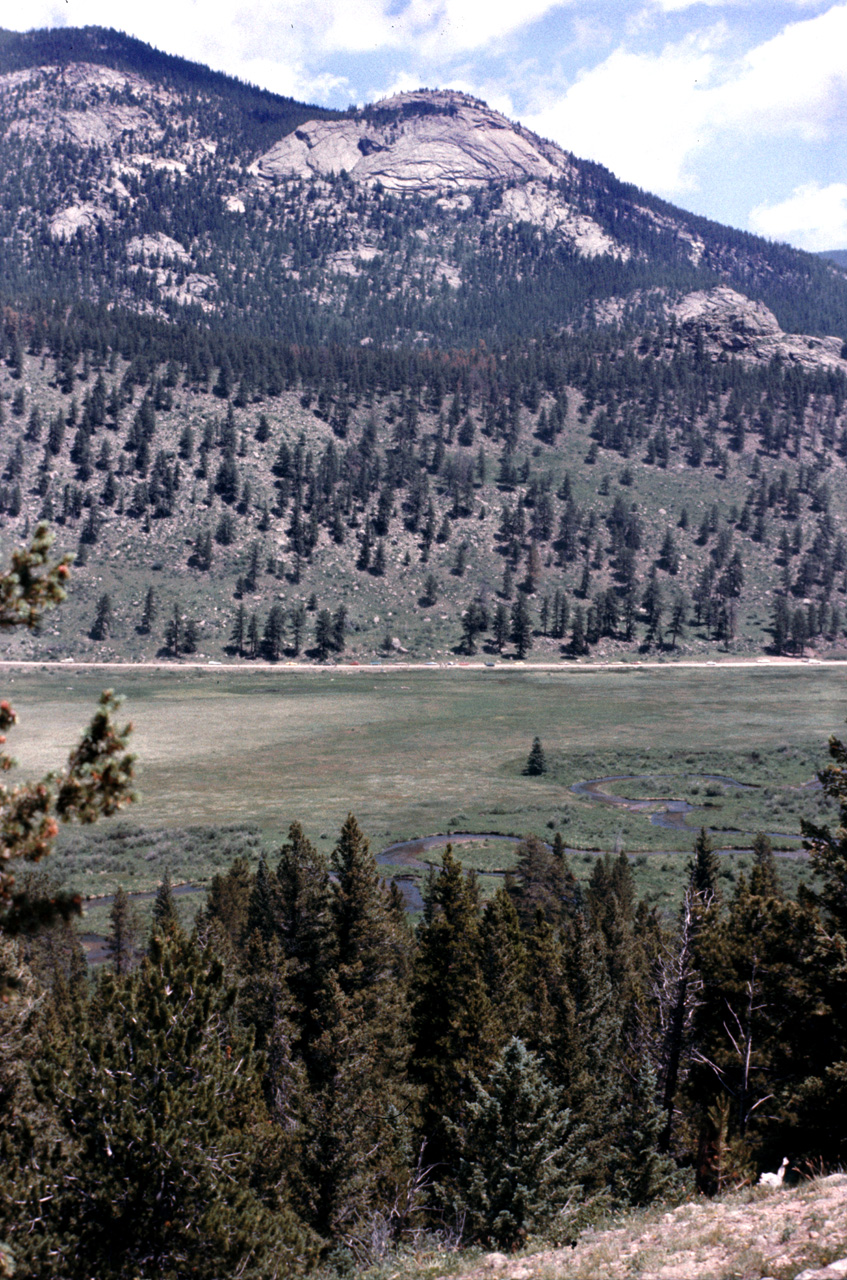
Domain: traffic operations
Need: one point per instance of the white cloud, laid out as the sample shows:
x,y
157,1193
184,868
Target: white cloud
x,y
794,82
639,114
646,115
813,217
443,27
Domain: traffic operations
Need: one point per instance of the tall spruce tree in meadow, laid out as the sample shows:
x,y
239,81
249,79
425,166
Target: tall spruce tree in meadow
x,y
164,1137
451,1011
520,1161
536,763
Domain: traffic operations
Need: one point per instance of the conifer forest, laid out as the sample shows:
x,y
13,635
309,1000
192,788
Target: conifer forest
x,y
260,416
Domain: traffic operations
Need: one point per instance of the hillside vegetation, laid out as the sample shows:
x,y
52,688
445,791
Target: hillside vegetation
x,y
561,502
470,392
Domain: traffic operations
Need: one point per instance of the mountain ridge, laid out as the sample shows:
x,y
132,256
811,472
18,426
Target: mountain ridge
x,y
266,389
243,143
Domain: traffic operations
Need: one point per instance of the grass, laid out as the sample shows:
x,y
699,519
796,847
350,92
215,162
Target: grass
x,y
418,752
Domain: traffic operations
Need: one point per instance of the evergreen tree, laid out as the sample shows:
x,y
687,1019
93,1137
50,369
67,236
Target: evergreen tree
x,y
764,881
543,882
123,932
521,627
641,1173
158,1102
587,1047
305,928
536,763
150,611
239,628
520,1162
224,916
323,635
504,966
103,621
703,870
355,1136
451,1012
166,922
501,626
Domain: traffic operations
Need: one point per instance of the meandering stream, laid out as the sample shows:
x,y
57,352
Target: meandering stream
x,y
411,854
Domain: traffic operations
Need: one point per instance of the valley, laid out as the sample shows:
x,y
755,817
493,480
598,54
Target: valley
x,y
464,531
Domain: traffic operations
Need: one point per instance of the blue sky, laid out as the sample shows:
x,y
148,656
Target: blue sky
x,y
736,109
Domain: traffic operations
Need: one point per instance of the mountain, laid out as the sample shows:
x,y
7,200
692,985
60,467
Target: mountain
x,y
262,357
838,256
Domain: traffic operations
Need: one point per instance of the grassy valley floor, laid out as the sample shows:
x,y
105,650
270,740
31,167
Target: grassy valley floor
x,y
228,759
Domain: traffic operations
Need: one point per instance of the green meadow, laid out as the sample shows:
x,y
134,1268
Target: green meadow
x,y
227,760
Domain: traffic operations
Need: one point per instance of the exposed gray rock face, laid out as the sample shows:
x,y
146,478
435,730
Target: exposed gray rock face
x,y
422,141
106,104
729,323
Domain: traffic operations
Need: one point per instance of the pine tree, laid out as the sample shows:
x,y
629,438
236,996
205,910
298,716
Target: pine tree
x,y
158,1102
223,917
641,1173
764,880
536,763
451,1012
520,1162
150,611
504,966
323,634
239,627
305,928
166,922
263,907
354,1135
521,627
123,932
543,882
501,626
103,621
587,1047
704,869
175,632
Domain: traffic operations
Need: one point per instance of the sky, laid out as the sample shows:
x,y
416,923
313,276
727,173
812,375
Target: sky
x,y
736,109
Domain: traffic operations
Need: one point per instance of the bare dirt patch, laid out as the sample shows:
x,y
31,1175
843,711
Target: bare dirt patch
x,y
753,1234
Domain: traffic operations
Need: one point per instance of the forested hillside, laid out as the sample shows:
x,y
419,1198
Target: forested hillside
x,y
580,495
276,408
